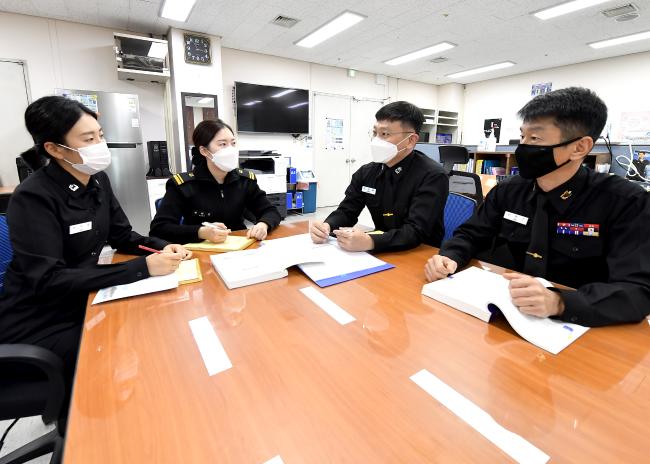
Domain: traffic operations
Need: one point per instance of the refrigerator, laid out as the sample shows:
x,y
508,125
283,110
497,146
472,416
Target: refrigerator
x,y
119,116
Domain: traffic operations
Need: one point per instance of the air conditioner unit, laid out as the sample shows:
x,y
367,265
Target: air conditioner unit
x,y
141,58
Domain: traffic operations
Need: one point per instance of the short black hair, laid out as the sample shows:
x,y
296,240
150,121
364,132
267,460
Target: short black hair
x,y
577,111
402,111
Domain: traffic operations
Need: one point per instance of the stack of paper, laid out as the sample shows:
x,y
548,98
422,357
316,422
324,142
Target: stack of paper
x,y
248,267
141,287
232,243
482,293
189,272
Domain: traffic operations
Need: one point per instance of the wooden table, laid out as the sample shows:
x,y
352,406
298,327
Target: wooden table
x,y
312,391
488,182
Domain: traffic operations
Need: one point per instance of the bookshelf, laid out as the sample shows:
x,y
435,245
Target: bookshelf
x,y
507,160
439,126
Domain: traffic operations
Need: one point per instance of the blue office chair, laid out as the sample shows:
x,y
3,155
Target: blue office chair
x,y
458,209
5,250
31,382
158,202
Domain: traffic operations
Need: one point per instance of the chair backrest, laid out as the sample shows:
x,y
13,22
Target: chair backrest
x,y
453,154
466,183
24,171
158,202
458,209
6,251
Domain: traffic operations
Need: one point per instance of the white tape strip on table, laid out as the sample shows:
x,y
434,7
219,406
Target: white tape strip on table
x,y
214,356
510,443
275,460
333,310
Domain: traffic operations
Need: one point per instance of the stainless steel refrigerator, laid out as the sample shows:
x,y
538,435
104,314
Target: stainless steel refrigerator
x,y
119,116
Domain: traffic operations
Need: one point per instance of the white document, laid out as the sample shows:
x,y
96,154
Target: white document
x,y
141,287
333,310
334,264
510,443
476,291
248,267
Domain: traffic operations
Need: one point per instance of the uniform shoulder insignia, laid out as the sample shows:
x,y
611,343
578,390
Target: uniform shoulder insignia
x,y
183,177
247,174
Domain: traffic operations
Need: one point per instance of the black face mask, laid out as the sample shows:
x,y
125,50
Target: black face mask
x,y
537,160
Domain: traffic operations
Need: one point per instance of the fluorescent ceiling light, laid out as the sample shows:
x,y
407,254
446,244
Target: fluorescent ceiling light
x,y
566,8
178,10
205,100
283,93
492,67
251,103
298,104
621,40
158,50
441,47
342,22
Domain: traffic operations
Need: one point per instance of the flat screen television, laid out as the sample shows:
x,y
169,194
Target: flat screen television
x,y
264,108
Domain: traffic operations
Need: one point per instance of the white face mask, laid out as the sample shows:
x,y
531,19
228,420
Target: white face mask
x,y
383,151
226,159
94,158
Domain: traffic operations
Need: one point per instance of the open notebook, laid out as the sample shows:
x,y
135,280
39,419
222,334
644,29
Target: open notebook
x,y
232,243
482,294
326,264
334,264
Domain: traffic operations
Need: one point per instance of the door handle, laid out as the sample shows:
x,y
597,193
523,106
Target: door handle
x,y
353,160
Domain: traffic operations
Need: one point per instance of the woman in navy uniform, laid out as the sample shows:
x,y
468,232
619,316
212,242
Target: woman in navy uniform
x,y
59,220
209,202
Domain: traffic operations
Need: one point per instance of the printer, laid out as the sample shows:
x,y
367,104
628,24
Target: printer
x,y
271,172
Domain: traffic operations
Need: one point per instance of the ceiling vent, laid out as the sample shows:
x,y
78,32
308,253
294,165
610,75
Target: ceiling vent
x,y
440,59
285,21
622,13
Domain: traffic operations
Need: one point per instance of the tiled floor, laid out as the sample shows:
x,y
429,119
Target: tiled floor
x,y
26,430
30,428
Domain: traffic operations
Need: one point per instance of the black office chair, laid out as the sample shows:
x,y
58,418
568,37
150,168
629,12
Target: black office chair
x,y
24,171
465,183
31,384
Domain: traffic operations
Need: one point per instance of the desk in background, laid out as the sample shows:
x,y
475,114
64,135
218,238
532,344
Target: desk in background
x,y
5,195
310,390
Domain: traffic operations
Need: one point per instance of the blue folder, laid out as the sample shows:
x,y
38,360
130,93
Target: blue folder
x,y
352,275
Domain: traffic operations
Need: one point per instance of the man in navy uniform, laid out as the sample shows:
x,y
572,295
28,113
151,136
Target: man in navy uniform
x,y
562,221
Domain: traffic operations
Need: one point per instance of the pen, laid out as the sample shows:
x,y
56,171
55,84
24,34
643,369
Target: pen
x,y
209,224
145,248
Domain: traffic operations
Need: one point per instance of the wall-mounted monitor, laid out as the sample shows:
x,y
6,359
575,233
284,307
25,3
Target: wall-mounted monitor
x,y
265,108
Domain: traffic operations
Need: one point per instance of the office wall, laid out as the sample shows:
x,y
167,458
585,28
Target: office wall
x,y
61,54
257,68
191,78
622,82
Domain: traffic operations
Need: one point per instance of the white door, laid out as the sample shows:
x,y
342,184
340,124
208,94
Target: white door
x,y
362,119
14,138
331,147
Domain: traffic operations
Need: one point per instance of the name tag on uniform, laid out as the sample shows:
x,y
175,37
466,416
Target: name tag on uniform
x,y
578,228
515,218
369,190
83,227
